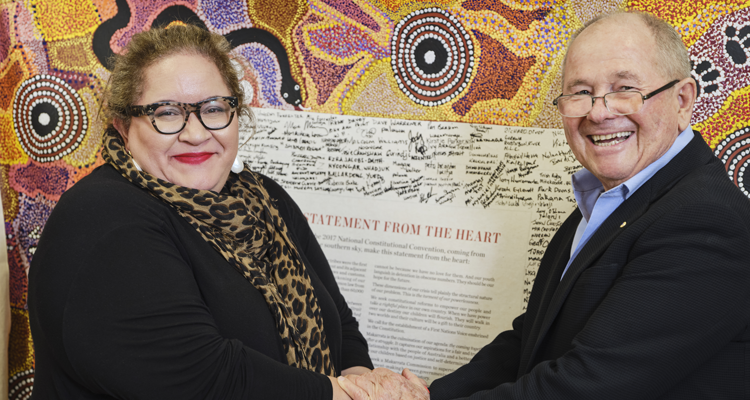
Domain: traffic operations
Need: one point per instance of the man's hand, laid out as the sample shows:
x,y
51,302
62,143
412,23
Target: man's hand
x,y
355,371
384,384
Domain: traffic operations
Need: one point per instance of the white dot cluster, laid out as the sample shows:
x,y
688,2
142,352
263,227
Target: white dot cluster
x,y
734,152
436,88
72,122
21,384
737,25
697,60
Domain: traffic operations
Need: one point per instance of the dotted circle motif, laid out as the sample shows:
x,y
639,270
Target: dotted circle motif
x,y
49,117
432,56
20,385
734,152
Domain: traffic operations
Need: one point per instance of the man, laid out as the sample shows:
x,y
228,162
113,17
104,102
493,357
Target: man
x,y
644,292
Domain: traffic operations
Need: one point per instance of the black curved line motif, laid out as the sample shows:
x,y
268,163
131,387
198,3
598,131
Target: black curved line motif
x,y
290,89
106,30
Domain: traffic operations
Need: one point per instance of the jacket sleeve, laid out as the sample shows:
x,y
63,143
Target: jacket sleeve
x,y
499,361
495,364
681,300
135,326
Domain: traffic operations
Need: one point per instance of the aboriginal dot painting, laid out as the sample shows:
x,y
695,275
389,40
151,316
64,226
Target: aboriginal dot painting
x,y
474,61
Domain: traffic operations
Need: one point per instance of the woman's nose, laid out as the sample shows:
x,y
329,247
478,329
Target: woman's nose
x,y
194,131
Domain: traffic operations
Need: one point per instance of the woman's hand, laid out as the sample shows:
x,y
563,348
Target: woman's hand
x,y
384,384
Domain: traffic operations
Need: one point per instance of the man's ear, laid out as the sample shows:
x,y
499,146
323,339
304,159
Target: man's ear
x,y
122,128
687,90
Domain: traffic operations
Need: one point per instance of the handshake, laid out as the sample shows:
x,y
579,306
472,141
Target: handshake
x,y
384,384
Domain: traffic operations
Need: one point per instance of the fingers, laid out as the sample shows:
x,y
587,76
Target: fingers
x,y
354,391
413,378
417,382
384,384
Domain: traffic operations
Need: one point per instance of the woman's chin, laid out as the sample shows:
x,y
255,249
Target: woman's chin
x,y
200,180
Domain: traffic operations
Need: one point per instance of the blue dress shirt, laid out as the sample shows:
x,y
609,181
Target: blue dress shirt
x,y
596,205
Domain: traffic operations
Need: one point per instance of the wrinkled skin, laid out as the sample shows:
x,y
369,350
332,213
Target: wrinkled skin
x,y
384,384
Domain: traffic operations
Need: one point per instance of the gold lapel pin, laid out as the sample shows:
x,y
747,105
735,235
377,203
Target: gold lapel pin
x,y
623,224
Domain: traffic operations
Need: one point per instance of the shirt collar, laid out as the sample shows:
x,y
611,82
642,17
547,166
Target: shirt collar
x,y
587,188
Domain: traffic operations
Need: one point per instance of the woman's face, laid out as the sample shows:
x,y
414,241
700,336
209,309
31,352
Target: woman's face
x,y
195,157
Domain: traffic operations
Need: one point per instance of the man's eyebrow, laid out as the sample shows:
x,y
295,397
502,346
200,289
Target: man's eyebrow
x,y
576,82
617,75
628,75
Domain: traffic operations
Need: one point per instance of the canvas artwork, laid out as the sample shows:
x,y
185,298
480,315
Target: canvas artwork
x,y
471,61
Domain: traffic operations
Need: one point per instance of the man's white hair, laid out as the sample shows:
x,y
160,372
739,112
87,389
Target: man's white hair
x,y
672,57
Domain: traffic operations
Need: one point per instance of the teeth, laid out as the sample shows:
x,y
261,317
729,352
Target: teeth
x,y
598,138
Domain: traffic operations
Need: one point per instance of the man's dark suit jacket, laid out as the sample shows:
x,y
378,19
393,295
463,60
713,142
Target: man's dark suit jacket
x,y
655,306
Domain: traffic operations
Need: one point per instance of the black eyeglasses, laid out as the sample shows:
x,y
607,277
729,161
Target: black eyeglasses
x,y
169,117
618,103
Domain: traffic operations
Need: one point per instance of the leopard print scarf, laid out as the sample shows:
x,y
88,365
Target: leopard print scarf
x,y
244,226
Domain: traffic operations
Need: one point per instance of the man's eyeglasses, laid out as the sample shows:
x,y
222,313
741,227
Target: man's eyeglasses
x,y
169,117
618,103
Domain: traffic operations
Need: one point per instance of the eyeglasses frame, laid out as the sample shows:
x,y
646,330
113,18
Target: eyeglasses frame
x,y
603,97
150,109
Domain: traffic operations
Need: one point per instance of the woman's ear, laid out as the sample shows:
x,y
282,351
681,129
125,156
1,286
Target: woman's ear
x,y
120,127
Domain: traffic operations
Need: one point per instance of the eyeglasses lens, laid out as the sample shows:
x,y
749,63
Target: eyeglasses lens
x,y
620,103
624,103
215,114
574,106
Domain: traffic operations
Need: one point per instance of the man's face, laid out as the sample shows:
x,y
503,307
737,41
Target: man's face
x,y
619,53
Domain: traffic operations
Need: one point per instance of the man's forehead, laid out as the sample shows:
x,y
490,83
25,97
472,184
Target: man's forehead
x,y
615,48
628,22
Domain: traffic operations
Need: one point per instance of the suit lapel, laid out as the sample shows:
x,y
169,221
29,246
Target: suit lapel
x,y
599,242
695,154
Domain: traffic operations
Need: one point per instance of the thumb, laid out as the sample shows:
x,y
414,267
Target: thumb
x,y
413,378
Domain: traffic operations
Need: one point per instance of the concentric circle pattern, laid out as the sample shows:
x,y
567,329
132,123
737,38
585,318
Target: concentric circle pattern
x,y
49,117
432,56
734,152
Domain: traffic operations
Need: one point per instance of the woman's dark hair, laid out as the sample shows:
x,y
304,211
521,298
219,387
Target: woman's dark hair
x,y
146,48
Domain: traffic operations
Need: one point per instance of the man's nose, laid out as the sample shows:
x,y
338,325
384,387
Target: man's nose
x,y
599,110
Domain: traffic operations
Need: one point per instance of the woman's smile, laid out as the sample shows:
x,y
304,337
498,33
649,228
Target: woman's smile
x,y
193,158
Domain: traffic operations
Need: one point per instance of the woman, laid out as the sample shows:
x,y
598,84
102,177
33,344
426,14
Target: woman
x,y
174,272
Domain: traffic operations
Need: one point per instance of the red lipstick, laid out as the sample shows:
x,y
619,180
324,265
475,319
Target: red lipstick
x,y
193,158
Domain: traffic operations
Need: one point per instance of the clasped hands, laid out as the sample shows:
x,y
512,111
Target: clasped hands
x,y
384,384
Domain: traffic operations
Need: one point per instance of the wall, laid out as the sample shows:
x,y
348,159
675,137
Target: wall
x,y
344,57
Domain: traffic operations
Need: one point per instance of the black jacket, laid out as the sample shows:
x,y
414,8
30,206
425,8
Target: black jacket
x,y
655,306
126,300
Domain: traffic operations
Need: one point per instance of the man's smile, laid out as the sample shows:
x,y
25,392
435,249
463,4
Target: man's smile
x,y
610,139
